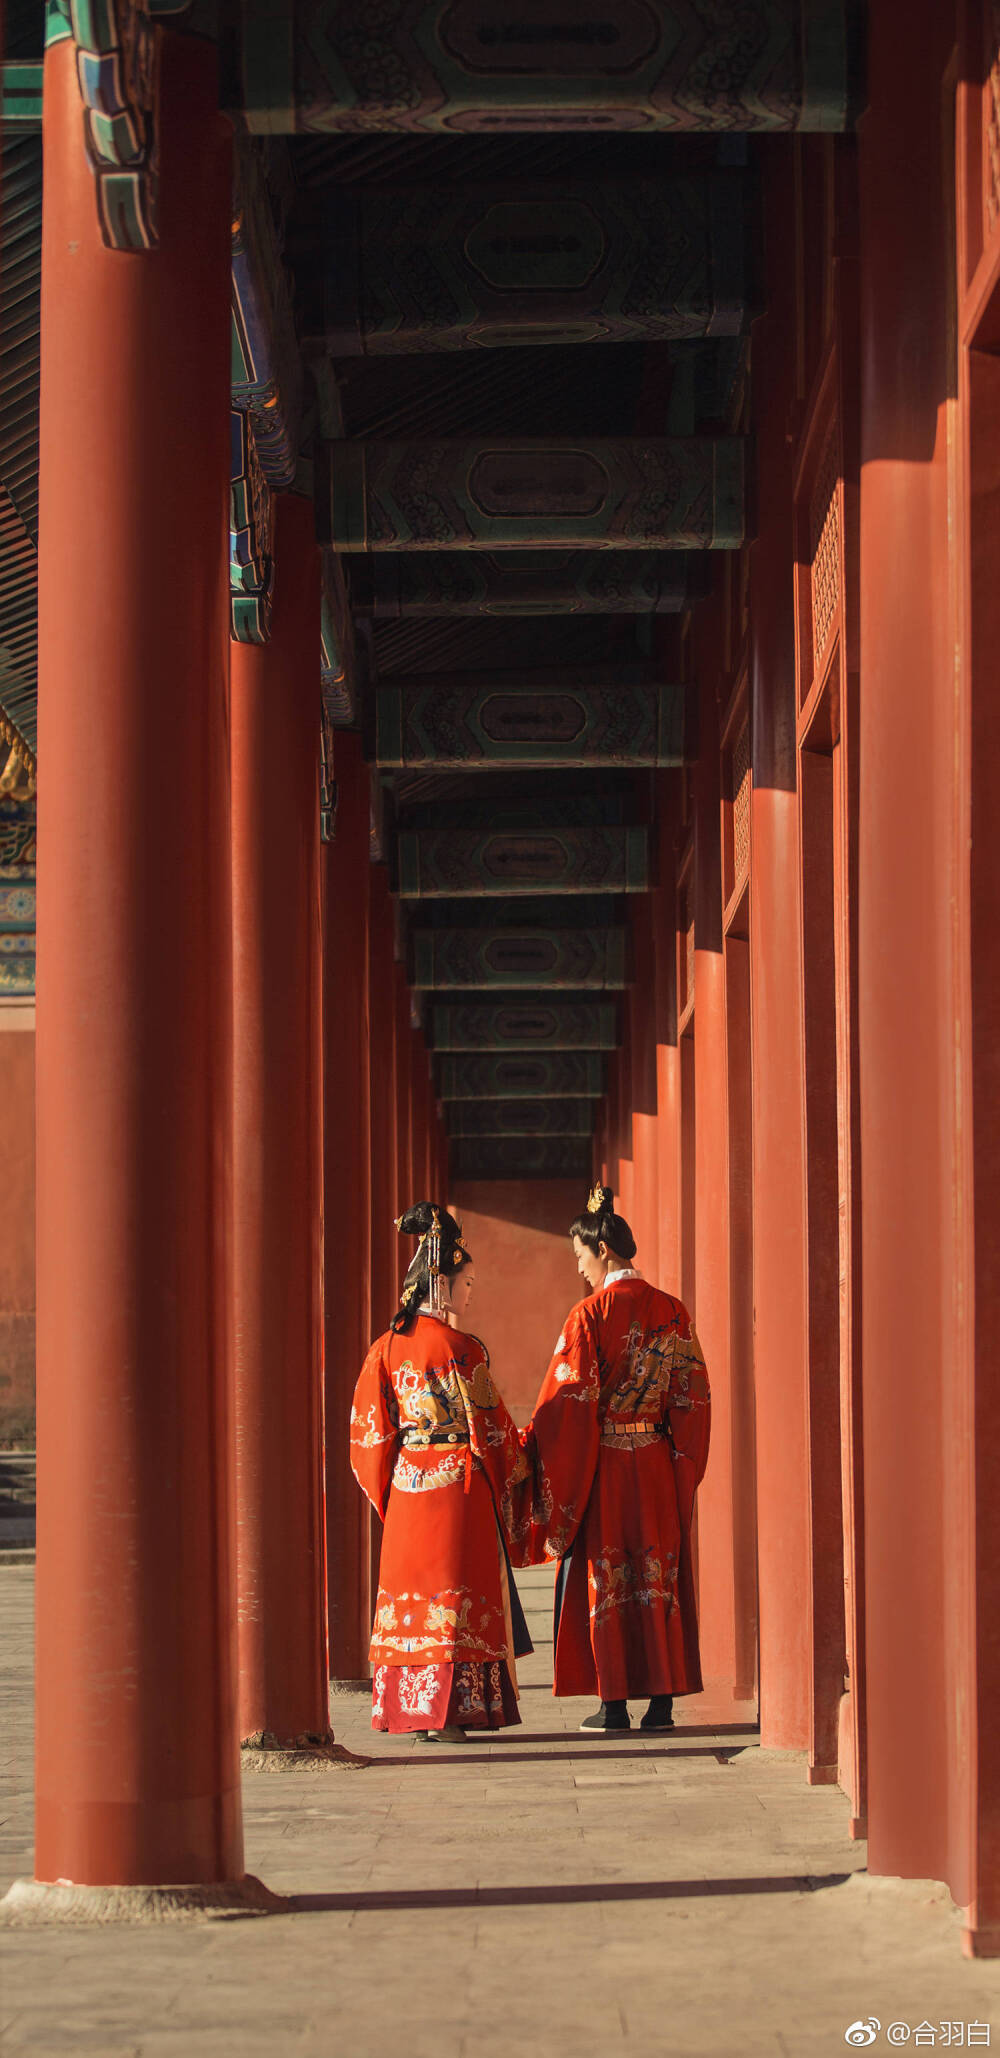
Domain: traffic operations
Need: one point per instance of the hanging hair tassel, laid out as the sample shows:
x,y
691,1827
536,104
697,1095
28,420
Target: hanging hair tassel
x,y
434,1263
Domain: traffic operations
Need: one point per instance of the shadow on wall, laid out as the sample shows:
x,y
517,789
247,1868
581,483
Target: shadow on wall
x,y
526,1277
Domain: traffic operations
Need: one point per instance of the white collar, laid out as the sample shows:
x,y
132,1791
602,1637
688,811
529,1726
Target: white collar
x,y
623,1272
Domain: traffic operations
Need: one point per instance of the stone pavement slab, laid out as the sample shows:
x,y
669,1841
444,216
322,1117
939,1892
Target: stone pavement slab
x,y
685,1895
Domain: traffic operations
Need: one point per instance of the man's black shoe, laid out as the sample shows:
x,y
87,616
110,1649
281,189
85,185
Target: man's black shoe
x,y
611,1716
660,1713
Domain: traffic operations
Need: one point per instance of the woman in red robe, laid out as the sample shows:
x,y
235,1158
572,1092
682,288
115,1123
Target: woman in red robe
x,y
617,1446
436,1452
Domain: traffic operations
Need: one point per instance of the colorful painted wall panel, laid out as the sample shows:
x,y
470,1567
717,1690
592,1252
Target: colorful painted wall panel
x,y
457,863
625,493
527,1024
612,715
544,958
461,266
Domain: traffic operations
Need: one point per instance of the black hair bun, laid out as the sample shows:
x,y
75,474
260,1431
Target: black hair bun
x,y
419,1219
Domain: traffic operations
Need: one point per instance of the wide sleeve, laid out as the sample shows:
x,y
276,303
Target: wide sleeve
x,y
493,1433
374,1429
561,1445
689,1411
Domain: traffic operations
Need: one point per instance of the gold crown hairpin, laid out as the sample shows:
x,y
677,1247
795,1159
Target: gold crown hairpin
x,y
597,1200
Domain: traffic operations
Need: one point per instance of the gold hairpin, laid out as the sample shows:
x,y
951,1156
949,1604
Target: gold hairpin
x,y
596,1201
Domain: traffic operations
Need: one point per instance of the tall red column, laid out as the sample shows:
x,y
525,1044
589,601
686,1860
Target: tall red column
x,y
418,1114
405,1194
920,1418
781,1349
668,1069
645,1156
711,1312
386,1246
137,1758
347,1205
277,1152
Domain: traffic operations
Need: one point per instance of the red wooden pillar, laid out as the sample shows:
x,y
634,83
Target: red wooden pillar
x,y
668,1073
418,1115
778,1086
922,1417
277,1152
137,1747
711,1312
405,1195
645,1160
384,1140
625,1182
430,1121
971,1484
347,1204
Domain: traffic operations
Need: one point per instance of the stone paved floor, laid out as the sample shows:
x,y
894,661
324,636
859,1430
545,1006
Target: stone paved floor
x,y
688,1895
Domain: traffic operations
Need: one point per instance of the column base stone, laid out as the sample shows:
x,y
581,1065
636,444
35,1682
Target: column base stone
x,y
37,1904
264,1752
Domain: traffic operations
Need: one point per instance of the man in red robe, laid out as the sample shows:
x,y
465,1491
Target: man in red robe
x,y
617,1446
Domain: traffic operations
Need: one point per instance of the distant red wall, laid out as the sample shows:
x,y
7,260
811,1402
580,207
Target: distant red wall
x,y
526,1276
17,1236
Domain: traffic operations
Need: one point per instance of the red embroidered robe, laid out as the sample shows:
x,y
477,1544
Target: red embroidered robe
x,y
617,1446
434,1449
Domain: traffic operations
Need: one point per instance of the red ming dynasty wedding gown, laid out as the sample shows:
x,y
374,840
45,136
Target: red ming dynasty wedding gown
x,y
617,1447
436,1452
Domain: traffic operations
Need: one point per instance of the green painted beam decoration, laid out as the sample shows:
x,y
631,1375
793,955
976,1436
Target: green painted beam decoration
x,y
529,1023
117,74
18,838
338,654
468,66
521,1075
20,97
251,565
327,779
439,863
621,493
460,266
521,1118
609,715
265,365
518,583
540,958
522,1157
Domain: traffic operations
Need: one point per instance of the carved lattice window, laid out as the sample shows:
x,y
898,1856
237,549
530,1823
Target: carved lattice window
x,y
824,546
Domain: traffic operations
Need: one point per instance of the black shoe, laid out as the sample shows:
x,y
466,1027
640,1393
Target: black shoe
x,y
660,1713
609,1717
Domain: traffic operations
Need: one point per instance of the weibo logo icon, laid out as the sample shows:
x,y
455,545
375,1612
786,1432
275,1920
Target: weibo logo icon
x,y
863,2032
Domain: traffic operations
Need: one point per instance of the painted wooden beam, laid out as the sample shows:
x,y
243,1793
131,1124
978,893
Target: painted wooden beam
x,y
481,66
521,1075
577,959
460,863
518,583
612,715
521,1157
531,1117
622,493
456,267
530,1024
